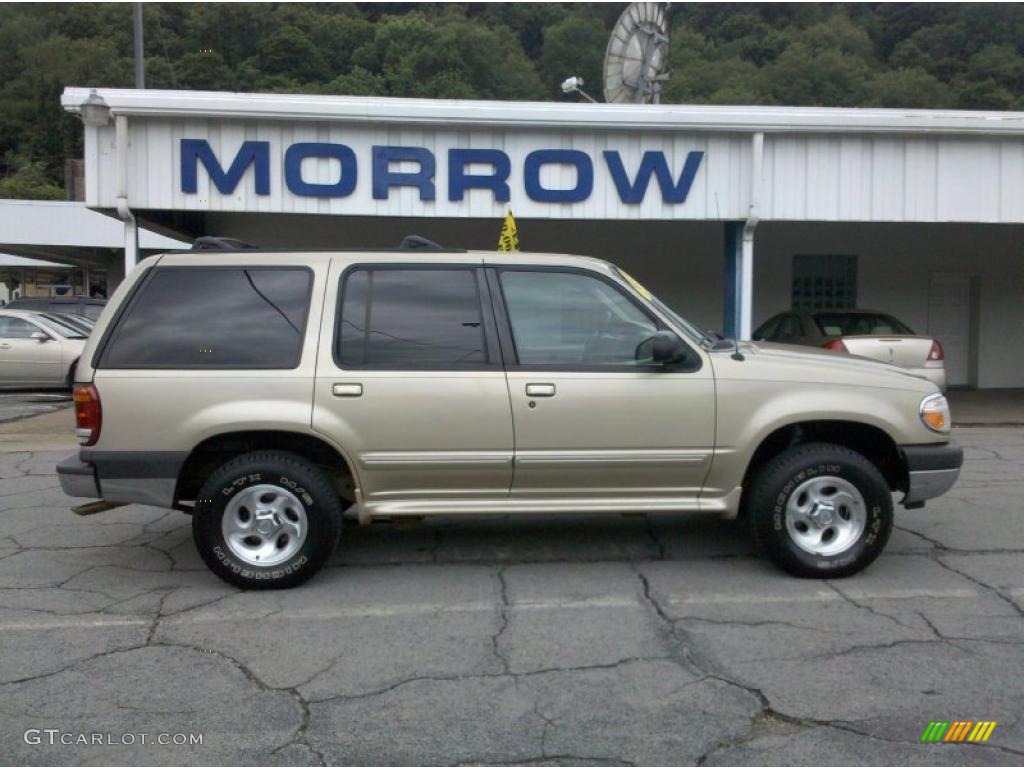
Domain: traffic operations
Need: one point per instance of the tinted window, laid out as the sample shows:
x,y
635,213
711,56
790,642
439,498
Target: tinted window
x,y
860,324
214,318
568,319
411,319
16,328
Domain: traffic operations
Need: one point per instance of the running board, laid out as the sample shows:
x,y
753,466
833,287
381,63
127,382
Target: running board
x,y
95,507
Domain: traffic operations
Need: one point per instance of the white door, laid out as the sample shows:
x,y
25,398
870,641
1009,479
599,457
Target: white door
x,y
949,321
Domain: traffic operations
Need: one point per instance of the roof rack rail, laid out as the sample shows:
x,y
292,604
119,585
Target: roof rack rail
x,y
417,243
209,243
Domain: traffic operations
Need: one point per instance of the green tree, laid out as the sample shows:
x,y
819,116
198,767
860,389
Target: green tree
x,y
574,47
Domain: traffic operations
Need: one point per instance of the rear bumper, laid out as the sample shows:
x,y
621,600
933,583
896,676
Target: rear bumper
x,y
122,476
931,470
78,478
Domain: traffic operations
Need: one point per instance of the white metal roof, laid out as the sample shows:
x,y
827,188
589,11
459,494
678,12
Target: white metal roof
x,y
361,109
58,223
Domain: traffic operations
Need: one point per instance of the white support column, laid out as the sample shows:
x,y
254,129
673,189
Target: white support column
x,y
131,229
746,265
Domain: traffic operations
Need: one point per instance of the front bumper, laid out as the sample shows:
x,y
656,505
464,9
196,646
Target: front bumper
x,y
78,478
931,470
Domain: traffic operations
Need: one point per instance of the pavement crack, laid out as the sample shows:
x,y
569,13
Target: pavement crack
x,y
504,621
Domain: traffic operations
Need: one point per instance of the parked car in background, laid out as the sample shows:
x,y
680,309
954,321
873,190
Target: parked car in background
x,y
74,322
85,306
36,351
861,332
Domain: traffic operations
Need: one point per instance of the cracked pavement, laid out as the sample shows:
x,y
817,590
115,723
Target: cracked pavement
x,y
553,640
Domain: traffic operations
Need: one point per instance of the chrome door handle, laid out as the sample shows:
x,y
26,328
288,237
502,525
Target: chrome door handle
x,y
347,390
5,345
540,390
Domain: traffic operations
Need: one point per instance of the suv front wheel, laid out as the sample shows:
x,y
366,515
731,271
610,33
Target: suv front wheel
x,y
266,520
820,510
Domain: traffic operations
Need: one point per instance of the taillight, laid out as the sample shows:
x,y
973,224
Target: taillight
x,y
836,345
936,352
88,415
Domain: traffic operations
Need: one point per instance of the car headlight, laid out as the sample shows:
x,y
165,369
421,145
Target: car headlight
x,y
935,413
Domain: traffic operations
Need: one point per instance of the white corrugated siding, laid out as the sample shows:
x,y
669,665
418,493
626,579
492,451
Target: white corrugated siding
x,y
720,189
807,176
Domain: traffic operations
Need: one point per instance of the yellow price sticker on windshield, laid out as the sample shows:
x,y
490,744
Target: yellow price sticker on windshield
x,y
636,285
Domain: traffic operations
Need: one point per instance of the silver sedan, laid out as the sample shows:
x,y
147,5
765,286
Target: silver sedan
x,y
37,352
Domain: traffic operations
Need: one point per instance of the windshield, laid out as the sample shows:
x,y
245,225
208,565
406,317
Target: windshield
x,y
692,329
859,324
61,326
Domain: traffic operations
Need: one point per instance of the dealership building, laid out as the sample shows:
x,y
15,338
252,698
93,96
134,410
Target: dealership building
x,y
729,214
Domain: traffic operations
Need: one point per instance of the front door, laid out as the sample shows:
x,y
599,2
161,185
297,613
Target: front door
x,y
409,381
595,419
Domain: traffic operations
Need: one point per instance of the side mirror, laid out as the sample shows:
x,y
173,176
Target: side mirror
x,y
663,348
39,336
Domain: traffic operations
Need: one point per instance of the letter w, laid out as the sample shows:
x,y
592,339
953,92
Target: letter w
x,y
194,151
653,162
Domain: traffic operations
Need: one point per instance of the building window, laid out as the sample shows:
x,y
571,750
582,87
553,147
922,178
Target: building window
x,y
824,281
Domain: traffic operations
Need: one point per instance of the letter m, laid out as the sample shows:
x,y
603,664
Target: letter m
x,y
195,151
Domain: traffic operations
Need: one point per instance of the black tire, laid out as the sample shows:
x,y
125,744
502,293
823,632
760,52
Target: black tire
x,y
777,481
290,473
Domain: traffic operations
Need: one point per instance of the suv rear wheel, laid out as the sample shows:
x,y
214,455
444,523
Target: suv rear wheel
x,y
266,520
820,510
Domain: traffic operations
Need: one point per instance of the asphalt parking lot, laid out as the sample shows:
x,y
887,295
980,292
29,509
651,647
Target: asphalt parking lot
x,y
623,640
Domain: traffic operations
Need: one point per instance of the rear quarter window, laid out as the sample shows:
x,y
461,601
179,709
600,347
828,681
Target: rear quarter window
x,y
212,317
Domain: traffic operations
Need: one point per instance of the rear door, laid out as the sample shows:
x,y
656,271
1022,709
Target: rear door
x,y
410,382
593,418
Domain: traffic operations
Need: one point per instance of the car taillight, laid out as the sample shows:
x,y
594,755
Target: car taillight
x,y
836,345
936,352
88,415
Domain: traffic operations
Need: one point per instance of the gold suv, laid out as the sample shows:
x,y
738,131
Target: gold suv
x,y
267,393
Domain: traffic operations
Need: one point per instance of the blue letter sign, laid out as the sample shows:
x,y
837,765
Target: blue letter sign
x,y
541,157
653,162
384,178
194,151
459,181
293,169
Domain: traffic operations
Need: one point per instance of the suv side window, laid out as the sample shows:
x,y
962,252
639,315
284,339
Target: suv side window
x,y
214,317
411,319
16,328
573,320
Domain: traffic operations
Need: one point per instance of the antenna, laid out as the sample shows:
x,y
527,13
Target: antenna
x,y
636,61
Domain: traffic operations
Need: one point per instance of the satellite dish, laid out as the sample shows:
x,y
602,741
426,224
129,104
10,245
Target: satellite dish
x,y
635,64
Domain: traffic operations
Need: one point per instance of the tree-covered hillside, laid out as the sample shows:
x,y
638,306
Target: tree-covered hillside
x,y
961,56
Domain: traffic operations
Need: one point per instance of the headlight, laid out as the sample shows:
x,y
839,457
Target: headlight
x,y
935,413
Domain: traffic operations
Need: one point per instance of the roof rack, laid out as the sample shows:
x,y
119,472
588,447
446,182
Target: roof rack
x,y
209,243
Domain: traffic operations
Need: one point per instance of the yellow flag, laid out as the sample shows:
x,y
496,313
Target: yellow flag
x,y
508,240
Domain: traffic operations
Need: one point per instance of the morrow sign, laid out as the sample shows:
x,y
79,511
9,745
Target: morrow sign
x,y
487,169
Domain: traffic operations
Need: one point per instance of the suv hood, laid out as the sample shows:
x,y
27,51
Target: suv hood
x,y
785,362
